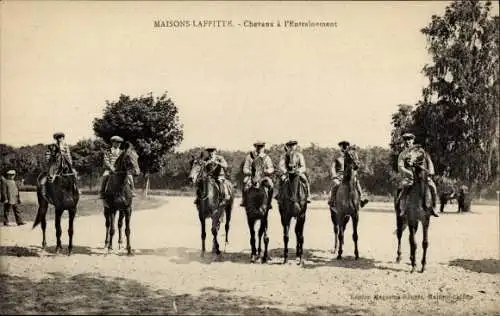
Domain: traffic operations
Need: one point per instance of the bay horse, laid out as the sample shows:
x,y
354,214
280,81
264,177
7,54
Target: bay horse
x,y
210,201
414,205
347,204
258,195
292,203
64,194
118,196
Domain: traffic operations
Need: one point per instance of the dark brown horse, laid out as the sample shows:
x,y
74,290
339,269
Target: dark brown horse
x,y
347,204
293,204
63,193
118,196
414,205
258,195
210,201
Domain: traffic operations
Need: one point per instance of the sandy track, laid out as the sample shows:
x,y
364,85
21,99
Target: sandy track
x,y
167,275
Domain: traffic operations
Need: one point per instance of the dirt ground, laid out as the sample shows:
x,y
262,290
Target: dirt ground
x,y
166,274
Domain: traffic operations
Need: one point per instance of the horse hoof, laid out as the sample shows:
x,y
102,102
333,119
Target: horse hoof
x,y
202,254
412,270
285,261
263,260
398,260
339,257
422,270
252,259
298,261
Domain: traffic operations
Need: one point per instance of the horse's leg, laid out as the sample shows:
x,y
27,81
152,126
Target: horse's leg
x,y
286,227
413,246
128,216
442,200
425,241
229,209
342,226
215,230
299,233
333,216
203,234
251,227
58,229
262,229
121,215
355,220
266,238
42,211
112,214
400,227
106,217
72,213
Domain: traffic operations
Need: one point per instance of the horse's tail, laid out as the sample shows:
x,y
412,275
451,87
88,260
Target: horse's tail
x,y
42,208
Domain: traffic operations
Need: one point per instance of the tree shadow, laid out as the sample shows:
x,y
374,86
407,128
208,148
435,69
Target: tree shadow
x,y
491,266
91,293
16,251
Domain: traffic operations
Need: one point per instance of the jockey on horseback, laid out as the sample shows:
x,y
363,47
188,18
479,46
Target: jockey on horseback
x,y
218,173
248,167
407,174
110,157
59,158
337,172
300,167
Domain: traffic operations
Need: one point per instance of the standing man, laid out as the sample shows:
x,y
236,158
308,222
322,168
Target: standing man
x,y
10,198
299,165
249,169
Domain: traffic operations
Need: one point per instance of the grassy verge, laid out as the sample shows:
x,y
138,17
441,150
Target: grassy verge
x,y
88,205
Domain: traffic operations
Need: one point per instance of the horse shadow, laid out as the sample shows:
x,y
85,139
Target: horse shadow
x,y
93,293
490,266
17,251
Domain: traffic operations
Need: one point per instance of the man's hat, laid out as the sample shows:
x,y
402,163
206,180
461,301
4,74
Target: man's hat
x,y
116,139
344,143
259,144
58,135
291,143
408,136
11,172
210,149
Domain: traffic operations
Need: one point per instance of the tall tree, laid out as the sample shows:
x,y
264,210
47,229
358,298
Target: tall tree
x,y
151,124
88,159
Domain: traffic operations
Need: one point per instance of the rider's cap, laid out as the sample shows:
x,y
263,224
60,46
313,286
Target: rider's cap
x,y
344,143
259,144
13,172
291,143
209,149
116,139
408,136
58,135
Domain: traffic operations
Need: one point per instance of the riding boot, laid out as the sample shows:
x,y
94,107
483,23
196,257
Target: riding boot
x,y
398,202
432,210
333,196
243,198
103,188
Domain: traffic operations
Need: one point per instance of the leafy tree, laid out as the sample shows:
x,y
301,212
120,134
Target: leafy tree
x,y
88,157
151,124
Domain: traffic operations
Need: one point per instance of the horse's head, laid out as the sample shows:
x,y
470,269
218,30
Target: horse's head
x,y
416,161
292,161
128,162
351,159
197,169
258,171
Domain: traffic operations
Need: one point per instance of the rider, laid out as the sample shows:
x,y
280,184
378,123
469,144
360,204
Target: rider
x,y
291,146
219,172
337,172
58,155
407,175
110,157
248,167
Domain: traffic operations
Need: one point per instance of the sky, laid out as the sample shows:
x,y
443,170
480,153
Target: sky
x,y
61,61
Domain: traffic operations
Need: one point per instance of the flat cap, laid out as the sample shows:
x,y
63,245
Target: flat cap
x,y
116,139
291,143
58,135
13,172
408,136
344,143
259,144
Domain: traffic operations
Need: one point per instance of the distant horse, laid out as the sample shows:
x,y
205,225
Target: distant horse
x,y
118,196
347,204
210,201
257,196
293,203
63,193
414,205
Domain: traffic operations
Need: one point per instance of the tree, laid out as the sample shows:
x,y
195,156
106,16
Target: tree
x,y
151,125
88,157
461,103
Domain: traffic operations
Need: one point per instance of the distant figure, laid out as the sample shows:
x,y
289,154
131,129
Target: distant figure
x,y
10,198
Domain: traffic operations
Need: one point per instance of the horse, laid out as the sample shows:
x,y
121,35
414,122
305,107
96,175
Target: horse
x,y
415,204
292,202
64,194
210,201
118,196
257,195
347,204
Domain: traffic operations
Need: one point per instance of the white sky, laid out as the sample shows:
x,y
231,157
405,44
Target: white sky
x,y
60,62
